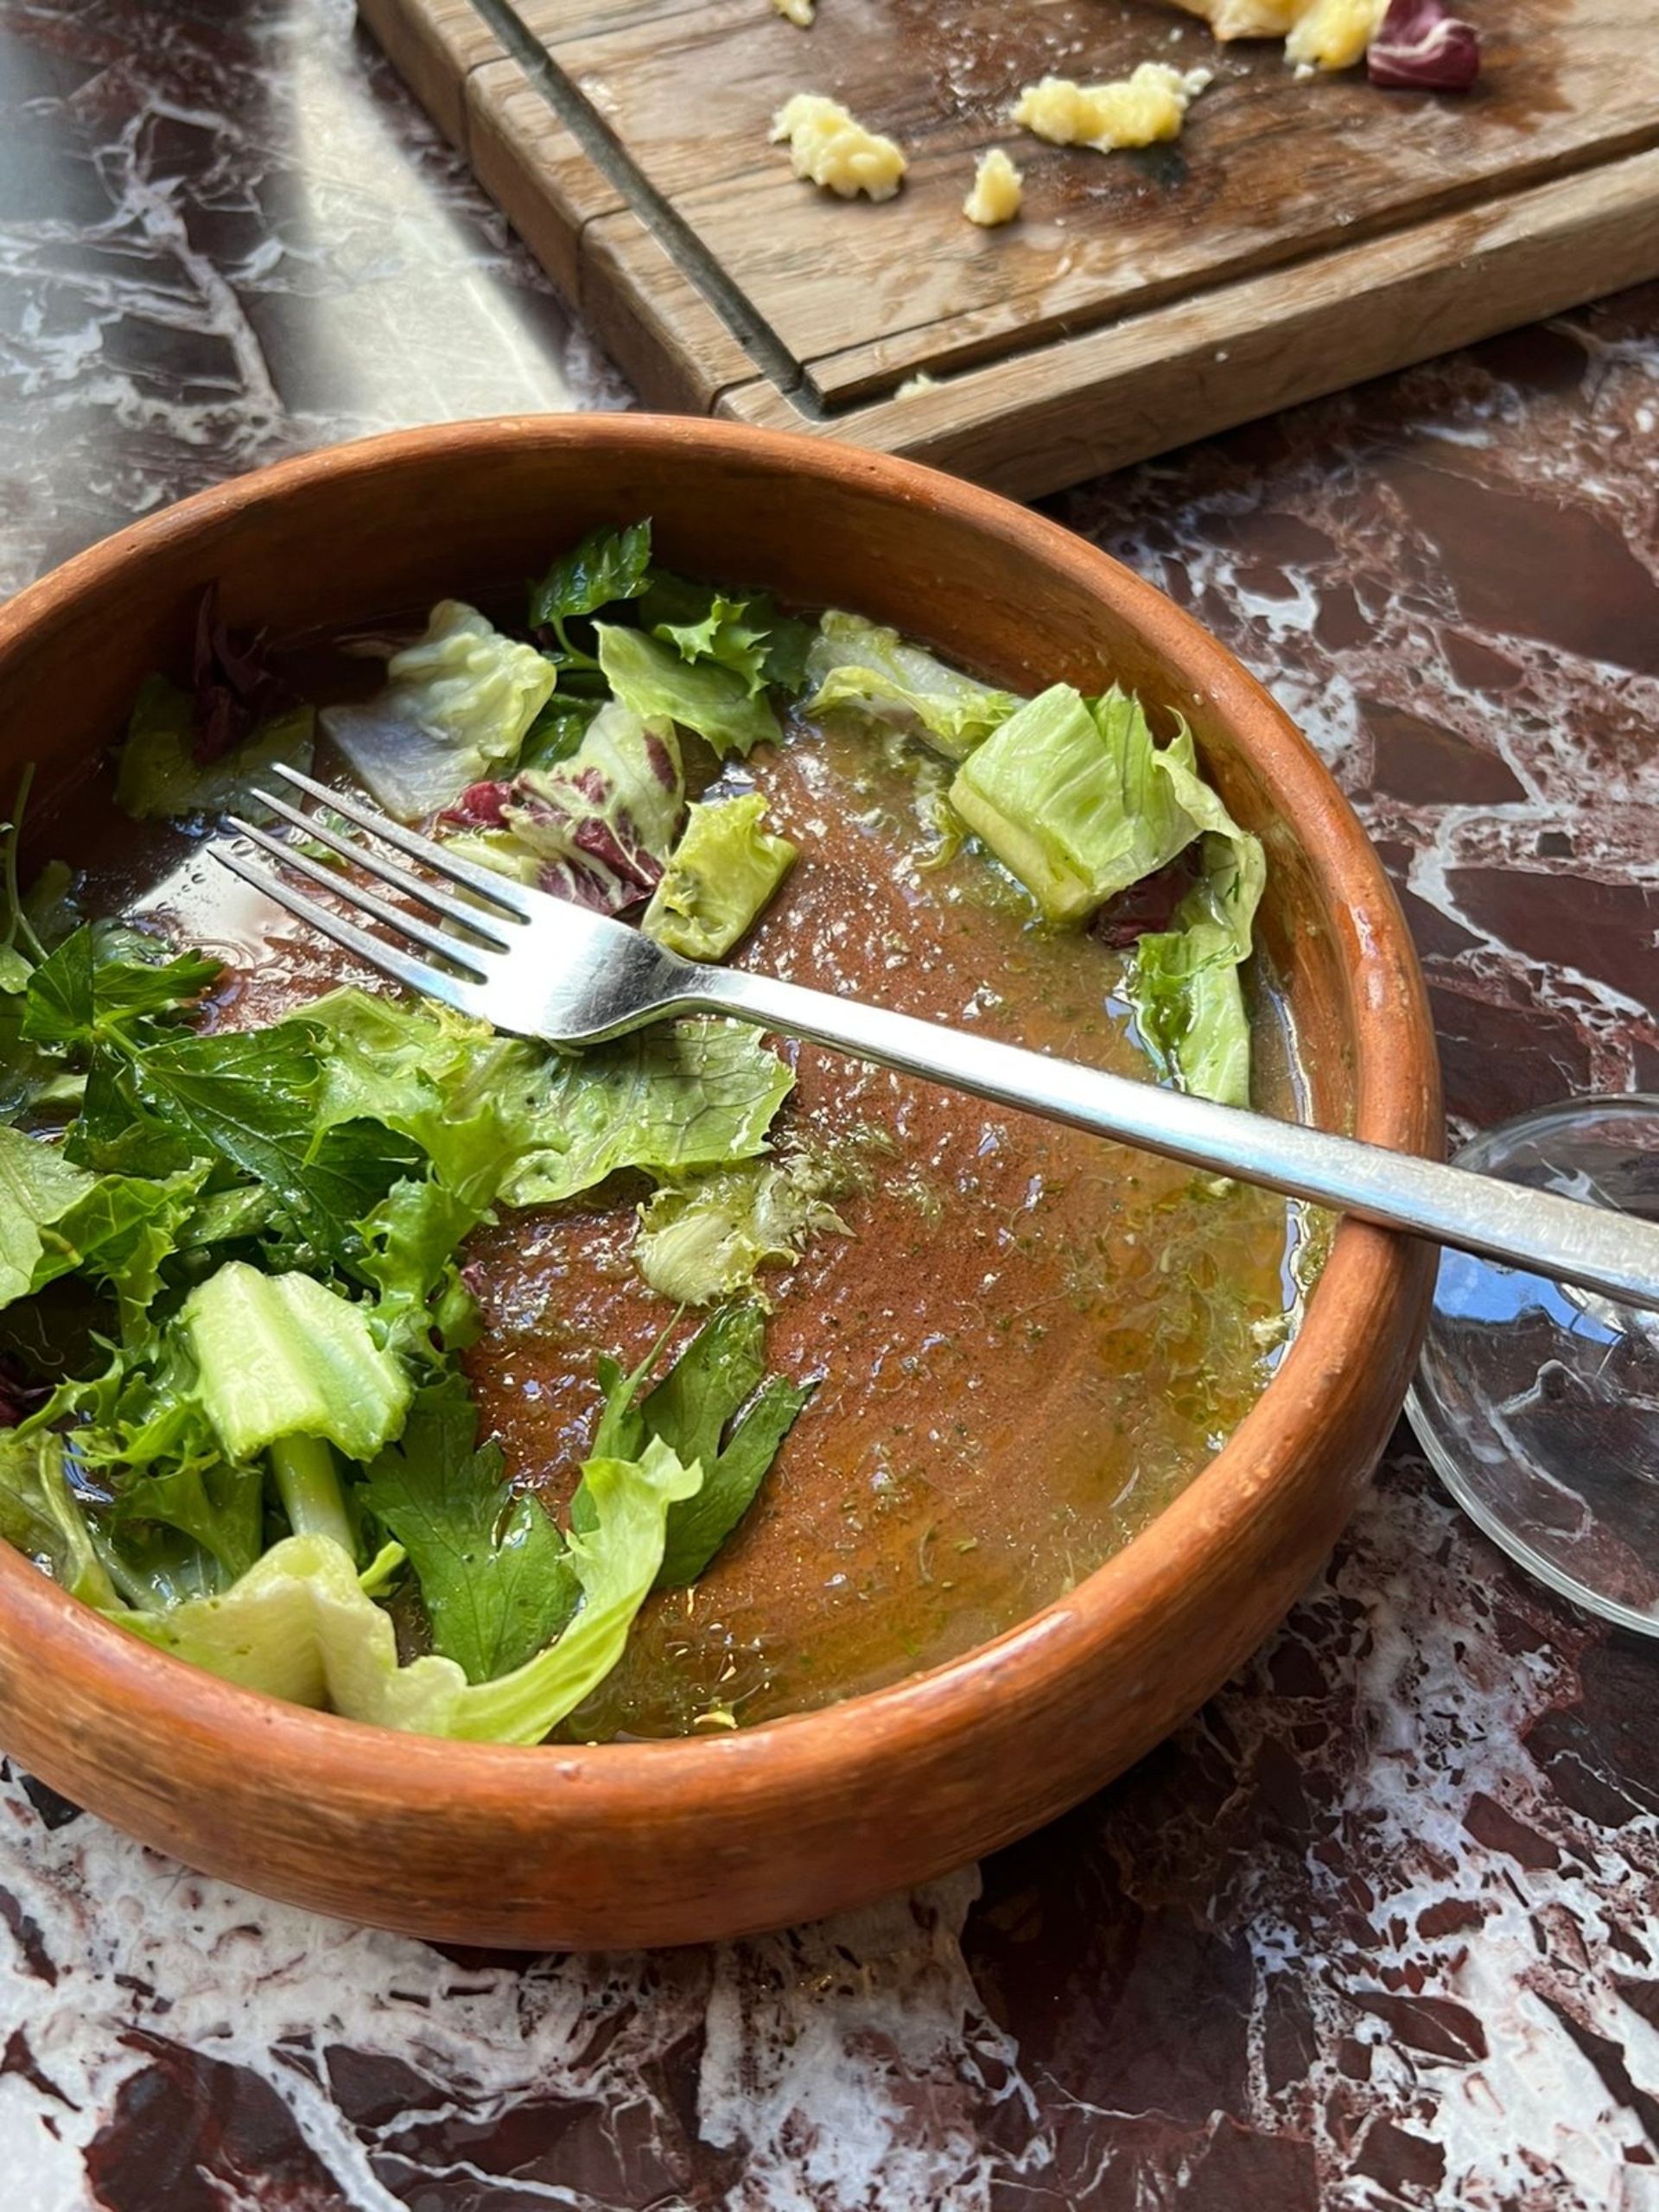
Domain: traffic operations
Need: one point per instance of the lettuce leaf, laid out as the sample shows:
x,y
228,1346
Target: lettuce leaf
x,y
186,1531
301,1625
1183,982
281,1356
719,877
253,1097
158,777
452,1085
102,979
716,702
38,1187
1076,799
605,566
747,635
600,825
456,705
703,1239
860,668
687,1095
42,1518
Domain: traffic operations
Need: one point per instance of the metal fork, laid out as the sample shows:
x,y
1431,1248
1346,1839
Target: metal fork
x,y
541,967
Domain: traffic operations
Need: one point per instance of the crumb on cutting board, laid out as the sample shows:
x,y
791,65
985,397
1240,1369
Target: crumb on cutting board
x,y
799,12
827,146
1149,105
998,189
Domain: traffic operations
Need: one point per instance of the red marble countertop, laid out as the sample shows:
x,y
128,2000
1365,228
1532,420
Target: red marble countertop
x,y
1379,1929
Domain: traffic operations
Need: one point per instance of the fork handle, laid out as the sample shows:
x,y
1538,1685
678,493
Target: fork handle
x,y
1598,1249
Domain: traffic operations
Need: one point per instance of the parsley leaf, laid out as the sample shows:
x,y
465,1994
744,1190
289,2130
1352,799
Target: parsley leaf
x,y
607,565
497,1580
689,1410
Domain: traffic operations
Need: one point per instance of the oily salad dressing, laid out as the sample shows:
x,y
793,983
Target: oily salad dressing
x,y
936,1363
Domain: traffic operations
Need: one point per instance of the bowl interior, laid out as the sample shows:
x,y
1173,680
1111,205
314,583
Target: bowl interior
x,y
813,1812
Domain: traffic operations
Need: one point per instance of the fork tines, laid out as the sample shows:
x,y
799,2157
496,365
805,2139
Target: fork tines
x,y
489,929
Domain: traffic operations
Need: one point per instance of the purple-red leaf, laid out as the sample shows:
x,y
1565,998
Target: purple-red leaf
x,y
235,687
1422,46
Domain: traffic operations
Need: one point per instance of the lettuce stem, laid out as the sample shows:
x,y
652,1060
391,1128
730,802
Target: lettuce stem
x,y
308,1482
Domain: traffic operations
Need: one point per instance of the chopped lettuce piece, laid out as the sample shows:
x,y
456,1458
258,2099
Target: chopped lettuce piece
x,y
42,1518
1184,984
747,635
159,778
283,1356
502,1119
300,1625
717,702
456,705
496,1580
38,1187
600,825
451,1084
703,1239
1076,799
859,667
685,1096
717,1406
719,877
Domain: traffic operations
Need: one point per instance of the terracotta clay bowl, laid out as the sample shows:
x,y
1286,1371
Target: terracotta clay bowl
x,y
663,1842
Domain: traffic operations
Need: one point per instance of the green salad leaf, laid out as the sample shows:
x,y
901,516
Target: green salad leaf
x,y
860,668
102,979
1076,799
705,1237
607,565
715,1405
747,635
719,878
40,1516
687,1095
457,706
301,1625
496,1579
38,1187
159,778
281,1356
716,702
1184,984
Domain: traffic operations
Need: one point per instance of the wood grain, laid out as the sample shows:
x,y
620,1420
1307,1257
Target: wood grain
x,y
435,46
671,1842
732,285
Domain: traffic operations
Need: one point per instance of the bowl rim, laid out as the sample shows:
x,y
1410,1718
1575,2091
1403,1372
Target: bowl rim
x,y
802,1753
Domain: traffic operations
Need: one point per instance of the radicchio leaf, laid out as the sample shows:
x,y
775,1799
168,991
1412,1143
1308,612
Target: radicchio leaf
x,y
236,689
1421,47
598,828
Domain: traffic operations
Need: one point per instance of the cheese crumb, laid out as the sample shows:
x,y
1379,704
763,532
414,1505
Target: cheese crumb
x,y
1334,34
1134,112
1318,34
795,11
913,387
997,191
826,145
1246,18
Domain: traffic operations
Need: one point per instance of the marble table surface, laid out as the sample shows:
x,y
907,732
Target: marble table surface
x,y
1379,1928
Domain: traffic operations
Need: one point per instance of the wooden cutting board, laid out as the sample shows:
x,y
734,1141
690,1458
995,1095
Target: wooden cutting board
x,y
1298,237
